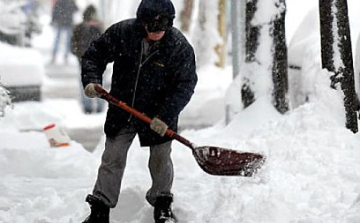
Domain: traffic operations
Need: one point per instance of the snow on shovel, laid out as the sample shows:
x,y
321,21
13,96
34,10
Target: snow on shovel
x,y
213,160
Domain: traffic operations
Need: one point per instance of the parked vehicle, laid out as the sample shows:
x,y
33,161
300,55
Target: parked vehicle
x,y
18,21
22,72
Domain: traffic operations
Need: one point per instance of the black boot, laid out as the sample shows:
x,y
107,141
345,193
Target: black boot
x,y
99,211
162,209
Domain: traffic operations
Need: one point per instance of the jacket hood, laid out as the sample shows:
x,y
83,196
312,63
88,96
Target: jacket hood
x,y
149,9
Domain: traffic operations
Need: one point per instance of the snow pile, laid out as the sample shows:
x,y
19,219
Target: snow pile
x,y
39,160
310,174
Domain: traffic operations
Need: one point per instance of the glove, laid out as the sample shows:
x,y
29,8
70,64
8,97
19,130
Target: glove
x,y
158,126
90,91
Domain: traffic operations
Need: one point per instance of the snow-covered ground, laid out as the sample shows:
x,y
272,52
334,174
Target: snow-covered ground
x,y
311,174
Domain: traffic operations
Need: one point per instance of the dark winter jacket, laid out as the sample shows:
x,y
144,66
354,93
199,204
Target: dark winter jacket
x,y
158,84
63,11
83,34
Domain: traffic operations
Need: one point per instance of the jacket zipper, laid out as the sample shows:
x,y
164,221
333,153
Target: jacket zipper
x,y
138,74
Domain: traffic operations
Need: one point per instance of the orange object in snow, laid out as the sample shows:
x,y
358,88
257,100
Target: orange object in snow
x,y
56,136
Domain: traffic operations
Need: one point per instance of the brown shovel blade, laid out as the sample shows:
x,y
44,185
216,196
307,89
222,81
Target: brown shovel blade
x,y
225,162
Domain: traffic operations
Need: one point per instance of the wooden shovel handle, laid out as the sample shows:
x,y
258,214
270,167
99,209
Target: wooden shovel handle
x,y
105,95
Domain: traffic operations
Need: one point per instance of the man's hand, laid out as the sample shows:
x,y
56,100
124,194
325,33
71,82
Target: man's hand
x,y
158,126
90,90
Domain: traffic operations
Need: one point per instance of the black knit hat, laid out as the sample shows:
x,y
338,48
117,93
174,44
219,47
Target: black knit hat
x,y
89,13
150,10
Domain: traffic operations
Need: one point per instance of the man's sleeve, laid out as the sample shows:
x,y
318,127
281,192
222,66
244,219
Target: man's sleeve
x,y
97,56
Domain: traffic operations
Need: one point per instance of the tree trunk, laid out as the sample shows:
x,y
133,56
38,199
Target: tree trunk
x,y
206,36
327,38
336,40
252,38
186,15
280,64
220,48
272,64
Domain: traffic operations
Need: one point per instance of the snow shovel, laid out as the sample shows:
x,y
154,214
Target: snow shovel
x,y
213,160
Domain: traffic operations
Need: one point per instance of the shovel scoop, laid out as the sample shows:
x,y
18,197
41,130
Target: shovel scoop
x,y
225,162
213,160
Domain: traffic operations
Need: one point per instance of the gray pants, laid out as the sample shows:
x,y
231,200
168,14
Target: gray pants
x,y
113,163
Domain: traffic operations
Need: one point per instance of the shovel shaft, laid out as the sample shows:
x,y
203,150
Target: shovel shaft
x,y
140,116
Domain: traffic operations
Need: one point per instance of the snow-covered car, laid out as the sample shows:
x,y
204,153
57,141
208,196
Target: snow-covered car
x,y
12,21
18,20
22,72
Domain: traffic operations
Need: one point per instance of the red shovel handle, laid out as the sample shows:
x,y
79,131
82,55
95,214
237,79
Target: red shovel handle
x,y
105,95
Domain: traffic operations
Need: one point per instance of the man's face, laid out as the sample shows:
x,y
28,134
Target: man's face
x,y
156,27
